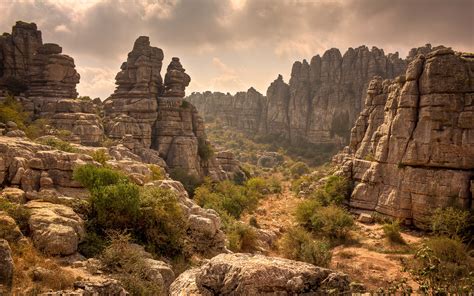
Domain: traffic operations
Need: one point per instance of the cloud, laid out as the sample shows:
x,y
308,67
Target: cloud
x,y
227,78
260,38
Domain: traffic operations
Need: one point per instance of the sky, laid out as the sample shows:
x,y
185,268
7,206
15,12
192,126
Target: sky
x,y
232,45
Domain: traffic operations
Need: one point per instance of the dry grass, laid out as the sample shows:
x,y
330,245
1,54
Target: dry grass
x,y
26,259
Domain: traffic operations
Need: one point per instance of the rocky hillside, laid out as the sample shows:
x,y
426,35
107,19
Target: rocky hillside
x,y
411,149
145,113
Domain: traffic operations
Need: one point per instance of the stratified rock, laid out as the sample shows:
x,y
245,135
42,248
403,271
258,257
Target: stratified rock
x,y
175,79
55,229
246,274
320,103
152,120
132,108
7,267
413,144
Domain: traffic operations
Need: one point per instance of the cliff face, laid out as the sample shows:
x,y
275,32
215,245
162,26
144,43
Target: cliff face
x,y
320,103
412,147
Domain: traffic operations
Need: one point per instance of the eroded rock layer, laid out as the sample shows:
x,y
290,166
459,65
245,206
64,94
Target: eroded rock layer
x,y
47,81
151,115
412,147
320,103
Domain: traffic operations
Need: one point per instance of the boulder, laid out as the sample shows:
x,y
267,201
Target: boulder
x,y
9,230
55,229
6,267
246,274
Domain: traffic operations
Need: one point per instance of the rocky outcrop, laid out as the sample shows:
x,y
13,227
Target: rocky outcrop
x,y
411,148
320,103
55,229
246,274
47,80
152,116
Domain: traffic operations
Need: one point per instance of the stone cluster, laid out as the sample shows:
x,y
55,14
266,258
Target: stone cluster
x,y
320,103
412,147
152,116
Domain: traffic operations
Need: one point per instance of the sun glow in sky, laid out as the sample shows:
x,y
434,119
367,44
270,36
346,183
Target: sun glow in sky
x,y
231,45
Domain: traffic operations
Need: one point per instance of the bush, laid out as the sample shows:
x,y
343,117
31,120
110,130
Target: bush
x,y
297,244
253,222
12,110
93,177
115,206
305,211
162,224
58,144
442,266
18,212
451,222
392,232
298,169
101,156
205,150
333,222
157,172
38,128
92,245
189,181
226,197
128,264
242,238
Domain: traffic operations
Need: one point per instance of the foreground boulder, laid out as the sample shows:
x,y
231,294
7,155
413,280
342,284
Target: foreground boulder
x,y
246,274
55,229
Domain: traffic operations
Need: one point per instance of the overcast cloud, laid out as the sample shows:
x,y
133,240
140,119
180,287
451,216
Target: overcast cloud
x,y
231,45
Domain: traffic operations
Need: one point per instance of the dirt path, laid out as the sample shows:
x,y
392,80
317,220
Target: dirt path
x,y
275,212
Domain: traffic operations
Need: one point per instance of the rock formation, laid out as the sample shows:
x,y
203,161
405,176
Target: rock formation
x,y
320,103
412,147
246,274
47,79
154,117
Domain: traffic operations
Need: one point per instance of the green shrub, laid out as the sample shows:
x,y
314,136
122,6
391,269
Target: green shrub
x,y
298,169
298,244
205,150
227,197
189,181
12,110
305,211
162,224
451,222
127,262
92,245
115,206
332,221
338,189
58,144
18,212
101,156
442,266
157,172
93,177
38,128
242,238
392,232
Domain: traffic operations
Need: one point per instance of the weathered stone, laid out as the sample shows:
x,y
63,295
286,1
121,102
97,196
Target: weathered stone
x,y
175,79
9,230
6,266
246,274
411,154
56,229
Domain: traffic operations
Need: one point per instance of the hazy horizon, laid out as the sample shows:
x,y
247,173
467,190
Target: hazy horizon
x,y
232,45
